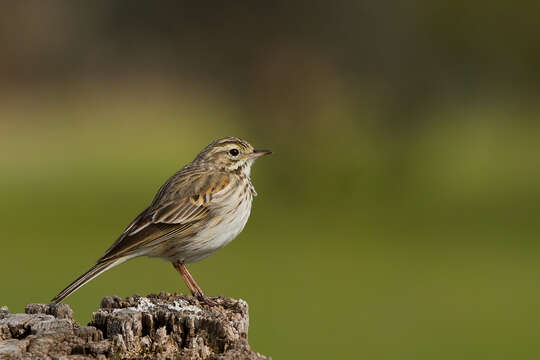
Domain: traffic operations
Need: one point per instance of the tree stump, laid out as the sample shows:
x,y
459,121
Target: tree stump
x,y
164,326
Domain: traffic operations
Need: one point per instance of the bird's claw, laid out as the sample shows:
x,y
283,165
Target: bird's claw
x,y
203,299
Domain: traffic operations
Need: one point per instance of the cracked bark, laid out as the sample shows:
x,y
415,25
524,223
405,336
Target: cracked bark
x,y
164,326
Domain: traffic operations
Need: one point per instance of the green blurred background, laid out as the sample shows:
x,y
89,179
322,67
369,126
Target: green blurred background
x,y
398,217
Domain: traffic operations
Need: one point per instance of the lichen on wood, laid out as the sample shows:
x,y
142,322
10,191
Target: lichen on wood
x,y
164,326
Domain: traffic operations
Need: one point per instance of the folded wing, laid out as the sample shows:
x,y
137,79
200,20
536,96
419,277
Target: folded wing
x,y
180,208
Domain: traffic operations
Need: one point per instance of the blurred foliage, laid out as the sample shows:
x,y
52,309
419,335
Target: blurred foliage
x,y
361,243
398,217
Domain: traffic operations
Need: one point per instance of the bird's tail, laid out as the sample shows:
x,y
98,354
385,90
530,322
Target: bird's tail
x,y
95,271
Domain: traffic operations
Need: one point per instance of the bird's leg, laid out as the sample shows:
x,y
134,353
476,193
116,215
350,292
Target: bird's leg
x,y
192,284
186,276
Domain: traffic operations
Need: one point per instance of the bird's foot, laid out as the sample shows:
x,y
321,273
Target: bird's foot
x,y
203,299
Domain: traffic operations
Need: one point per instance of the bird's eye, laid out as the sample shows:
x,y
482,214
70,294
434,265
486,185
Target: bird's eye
x,y
234,152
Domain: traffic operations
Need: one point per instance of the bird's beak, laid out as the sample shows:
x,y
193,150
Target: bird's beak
x,y
258,153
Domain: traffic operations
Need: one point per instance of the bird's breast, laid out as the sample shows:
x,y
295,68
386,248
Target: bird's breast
x,y
228,217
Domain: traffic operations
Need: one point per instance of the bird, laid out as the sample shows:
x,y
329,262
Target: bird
x,y
197,211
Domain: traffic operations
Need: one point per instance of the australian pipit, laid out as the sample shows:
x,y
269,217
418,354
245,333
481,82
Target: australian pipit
x,y
200,209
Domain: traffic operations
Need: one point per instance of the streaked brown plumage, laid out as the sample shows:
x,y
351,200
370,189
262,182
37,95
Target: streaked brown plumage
x,y
197,211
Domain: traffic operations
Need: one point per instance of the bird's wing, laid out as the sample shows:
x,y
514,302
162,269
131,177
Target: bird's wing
x,y
181,206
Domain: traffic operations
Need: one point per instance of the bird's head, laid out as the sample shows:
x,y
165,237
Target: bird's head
x,y
230,154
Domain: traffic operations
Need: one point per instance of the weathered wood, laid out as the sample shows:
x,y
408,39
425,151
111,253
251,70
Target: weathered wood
x,y
164,326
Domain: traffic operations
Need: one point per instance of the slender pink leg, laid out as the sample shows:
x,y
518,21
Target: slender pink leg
x,y
186,276
192,284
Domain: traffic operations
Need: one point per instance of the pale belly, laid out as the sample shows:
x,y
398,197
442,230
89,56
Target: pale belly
x,y
221,230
